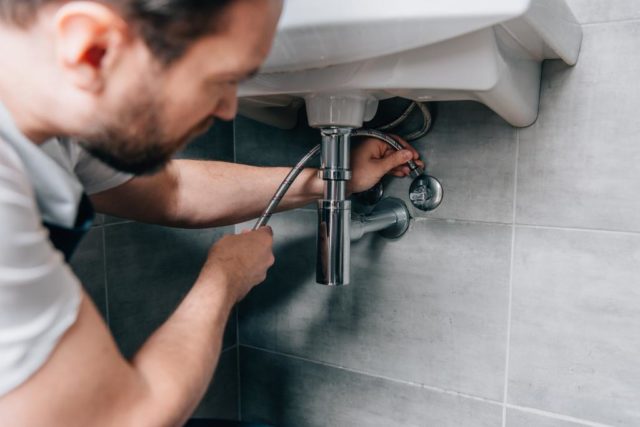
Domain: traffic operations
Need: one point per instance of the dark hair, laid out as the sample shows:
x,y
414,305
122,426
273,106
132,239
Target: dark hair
x,y
166,26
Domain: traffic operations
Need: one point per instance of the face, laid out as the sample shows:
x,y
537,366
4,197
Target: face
x,y
158,111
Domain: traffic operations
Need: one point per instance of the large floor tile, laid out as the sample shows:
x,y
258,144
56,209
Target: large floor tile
x,y
221,399
149,270
588,11
472,151
575,331
429,308
578,164
88,264
291,392
517,418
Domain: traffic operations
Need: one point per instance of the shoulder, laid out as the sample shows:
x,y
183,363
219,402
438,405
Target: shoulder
x,y
14,182
39,294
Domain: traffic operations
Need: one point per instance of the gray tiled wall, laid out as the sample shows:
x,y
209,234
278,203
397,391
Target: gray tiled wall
x,y
515,304
137,274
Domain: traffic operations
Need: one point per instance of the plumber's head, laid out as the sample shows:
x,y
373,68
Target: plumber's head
x,y
133,80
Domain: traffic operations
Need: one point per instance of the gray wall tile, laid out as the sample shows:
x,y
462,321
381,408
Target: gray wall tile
x,y
215,144
149,270
221,399
578,162
262,145
516,418
291,392
587,11
428,308
88,264
472,151
98,220
431,307
575,327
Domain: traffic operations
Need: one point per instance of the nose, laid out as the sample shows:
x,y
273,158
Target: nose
x,y
227,106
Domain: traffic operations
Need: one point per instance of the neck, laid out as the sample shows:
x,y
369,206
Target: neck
x,y
23,83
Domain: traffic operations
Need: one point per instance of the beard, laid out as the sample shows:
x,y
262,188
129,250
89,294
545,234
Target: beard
x,y
136,142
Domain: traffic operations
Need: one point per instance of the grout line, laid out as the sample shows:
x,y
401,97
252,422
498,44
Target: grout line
x,y
546,414
461,221
233,140
556,416
525,225
113,224
584,229
106,282
378,376
615,21
238,377
226,350
510,285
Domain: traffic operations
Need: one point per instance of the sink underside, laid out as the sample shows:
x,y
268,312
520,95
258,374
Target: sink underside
x,y
489,54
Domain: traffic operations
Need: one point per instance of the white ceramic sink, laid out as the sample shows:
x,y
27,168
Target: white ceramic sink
x,y
342,56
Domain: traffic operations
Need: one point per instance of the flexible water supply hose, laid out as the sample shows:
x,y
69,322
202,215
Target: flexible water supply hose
x,y
297,169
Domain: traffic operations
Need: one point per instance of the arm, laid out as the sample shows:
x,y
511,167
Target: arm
x,y
192,193
198,193
86,381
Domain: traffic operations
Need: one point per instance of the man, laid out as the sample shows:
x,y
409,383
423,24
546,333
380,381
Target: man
x,y
128,82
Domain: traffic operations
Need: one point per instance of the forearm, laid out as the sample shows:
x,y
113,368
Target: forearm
x,y
217,193
178,360
95,385
196,194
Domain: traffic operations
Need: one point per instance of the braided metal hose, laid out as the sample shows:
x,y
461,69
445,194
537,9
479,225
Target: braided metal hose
x,y
415,170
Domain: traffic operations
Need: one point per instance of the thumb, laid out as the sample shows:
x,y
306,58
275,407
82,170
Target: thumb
x,y
397,159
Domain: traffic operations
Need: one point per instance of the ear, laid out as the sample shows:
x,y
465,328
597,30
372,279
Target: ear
x,y
89,39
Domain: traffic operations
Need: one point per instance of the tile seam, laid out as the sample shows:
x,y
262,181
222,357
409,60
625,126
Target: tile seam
x,y
612,22
556,416
238,376
106,280
527,225
547,414
378,376
510,282
583,229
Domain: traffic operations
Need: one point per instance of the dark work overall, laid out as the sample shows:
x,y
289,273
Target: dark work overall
x,y
66,240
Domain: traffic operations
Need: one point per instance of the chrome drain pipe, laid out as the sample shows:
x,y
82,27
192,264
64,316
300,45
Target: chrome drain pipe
x,y
333,258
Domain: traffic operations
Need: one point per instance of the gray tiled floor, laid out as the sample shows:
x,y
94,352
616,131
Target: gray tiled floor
x,y
149,270
578,163
429,308
575,336
291,392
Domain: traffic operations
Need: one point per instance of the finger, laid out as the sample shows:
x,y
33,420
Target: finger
x,y
267,229
245,231
406,145
396,159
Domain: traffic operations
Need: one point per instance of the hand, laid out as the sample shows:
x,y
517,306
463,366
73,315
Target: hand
x,y
242,259
372,159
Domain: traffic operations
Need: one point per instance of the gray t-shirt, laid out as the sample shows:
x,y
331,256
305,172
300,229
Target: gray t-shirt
x,y
39,294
